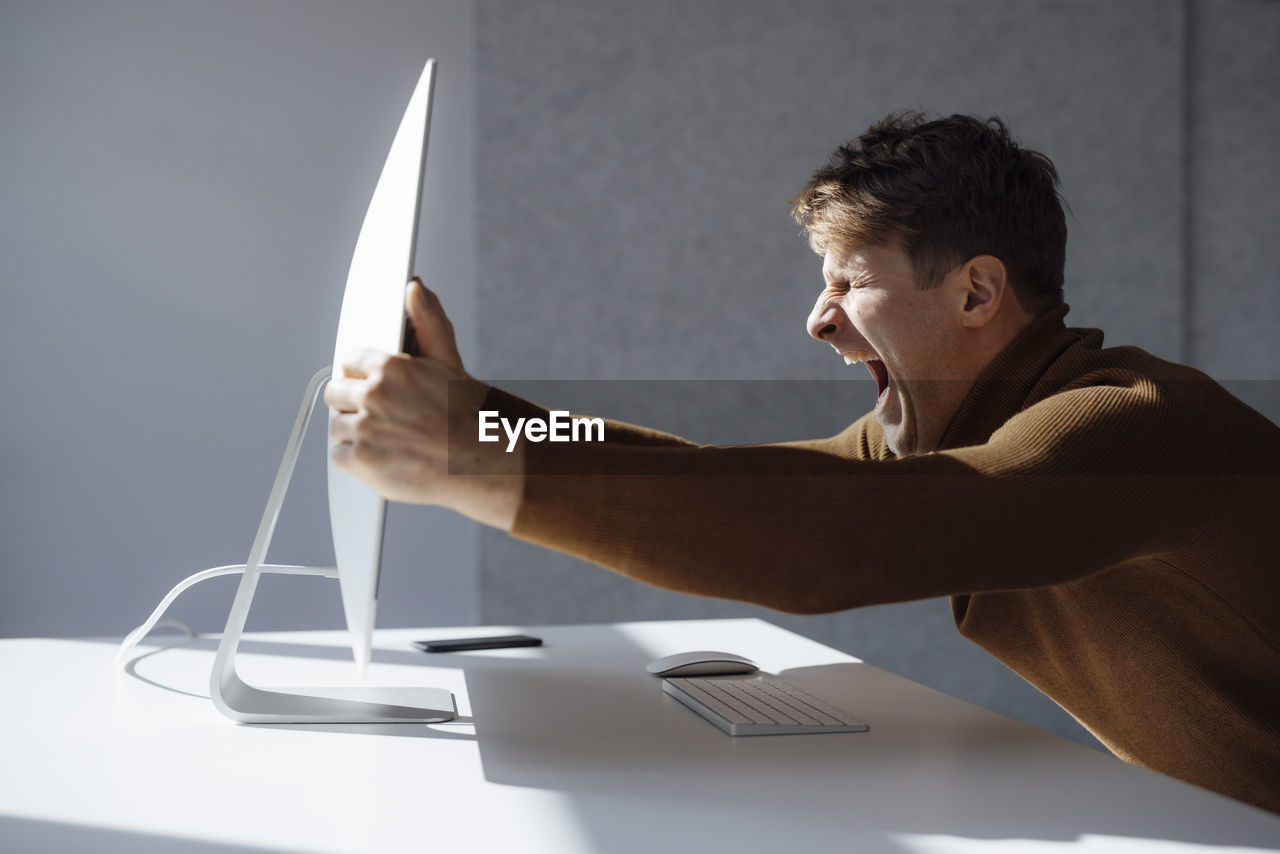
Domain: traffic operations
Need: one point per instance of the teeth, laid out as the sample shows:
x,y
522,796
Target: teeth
x,y
855,358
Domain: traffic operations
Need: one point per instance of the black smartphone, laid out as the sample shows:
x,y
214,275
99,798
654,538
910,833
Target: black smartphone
x,y
461,644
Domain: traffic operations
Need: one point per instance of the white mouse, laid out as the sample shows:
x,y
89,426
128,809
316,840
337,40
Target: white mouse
x,y
701,663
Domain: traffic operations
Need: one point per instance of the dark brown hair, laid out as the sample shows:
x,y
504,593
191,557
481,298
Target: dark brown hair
x,y
948,190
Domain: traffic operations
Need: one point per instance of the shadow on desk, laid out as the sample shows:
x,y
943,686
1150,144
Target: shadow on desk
x,y
639,770
31,835
930,766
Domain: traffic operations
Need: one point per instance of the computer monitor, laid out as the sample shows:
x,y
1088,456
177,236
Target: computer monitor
x,y
373,316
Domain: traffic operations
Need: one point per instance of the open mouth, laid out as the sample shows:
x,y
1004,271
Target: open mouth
x,y
878,371
881,373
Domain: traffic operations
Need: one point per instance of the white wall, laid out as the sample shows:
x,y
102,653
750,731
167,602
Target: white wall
x,y
182,187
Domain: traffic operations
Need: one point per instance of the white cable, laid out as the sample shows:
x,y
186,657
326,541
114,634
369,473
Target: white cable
x,y
132,639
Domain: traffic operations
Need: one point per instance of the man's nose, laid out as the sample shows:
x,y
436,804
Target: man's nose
x,y
824,320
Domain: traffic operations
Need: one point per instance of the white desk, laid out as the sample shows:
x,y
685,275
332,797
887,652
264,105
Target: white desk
x,y
572,747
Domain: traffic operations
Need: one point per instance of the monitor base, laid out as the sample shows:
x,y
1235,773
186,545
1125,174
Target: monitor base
x,y
355,705
246,703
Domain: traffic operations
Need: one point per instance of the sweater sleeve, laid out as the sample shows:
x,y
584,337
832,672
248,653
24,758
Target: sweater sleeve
x,y
1082,481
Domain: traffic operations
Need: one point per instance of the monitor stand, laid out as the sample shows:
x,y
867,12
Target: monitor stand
x,y
246,703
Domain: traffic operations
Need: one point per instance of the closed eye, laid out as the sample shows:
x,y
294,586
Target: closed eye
x,y
835,288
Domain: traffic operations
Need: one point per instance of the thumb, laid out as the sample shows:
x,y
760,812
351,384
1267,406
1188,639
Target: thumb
x,y
431,327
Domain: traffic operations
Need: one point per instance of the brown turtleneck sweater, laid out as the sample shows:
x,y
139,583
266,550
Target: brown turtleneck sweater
x,y
1106,523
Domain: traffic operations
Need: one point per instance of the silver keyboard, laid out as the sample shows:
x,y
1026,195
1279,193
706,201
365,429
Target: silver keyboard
x,y
760,705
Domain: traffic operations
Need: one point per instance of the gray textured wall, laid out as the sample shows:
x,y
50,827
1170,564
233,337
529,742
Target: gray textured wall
x,y
635,164
182,187
1232,252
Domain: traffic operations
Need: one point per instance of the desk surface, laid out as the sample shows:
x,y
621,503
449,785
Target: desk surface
x,y
564,748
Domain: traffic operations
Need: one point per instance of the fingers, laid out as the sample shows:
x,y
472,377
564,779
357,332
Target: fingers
x,y
350,457
431,326
345,427
354,442
346,393
344,396
362,363
371,384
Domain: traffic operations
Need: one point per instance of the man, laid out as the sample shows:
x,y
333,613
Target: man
x,y
1105,523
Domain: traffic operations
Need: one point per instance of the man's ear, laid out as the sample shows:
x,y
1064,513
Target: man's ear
x,y
985,286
